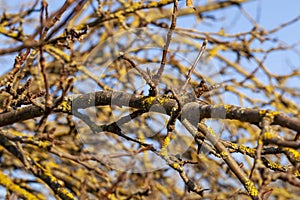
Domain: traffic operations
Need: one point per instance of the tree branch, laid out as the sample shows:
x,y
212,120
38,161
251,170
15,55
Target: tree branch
x,y
121,99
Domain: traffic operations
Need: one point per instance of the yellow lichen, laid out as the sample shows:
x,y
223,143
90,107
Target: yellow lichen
x,y
165,144
269,135
44,144
134,6
270,114
234,146
224,155
10,185
248,150
274,165
243,148
262,112
120,16
251,188
295,154
148,101
216,49
176,165
228,108
211,131
155,4
297,174
65,107
164,152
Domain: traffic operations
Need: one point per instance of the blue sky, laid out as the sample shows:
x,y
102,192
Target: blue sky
x,y
269,14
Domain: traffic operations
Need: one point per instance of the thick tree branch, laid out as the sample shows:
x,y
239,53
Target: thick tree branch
x,y
104,98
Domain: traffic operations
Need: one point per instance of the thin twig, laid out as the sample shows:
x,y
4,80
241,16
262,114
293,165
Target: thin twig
x,y
229,160
141,72
188,77
157,77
